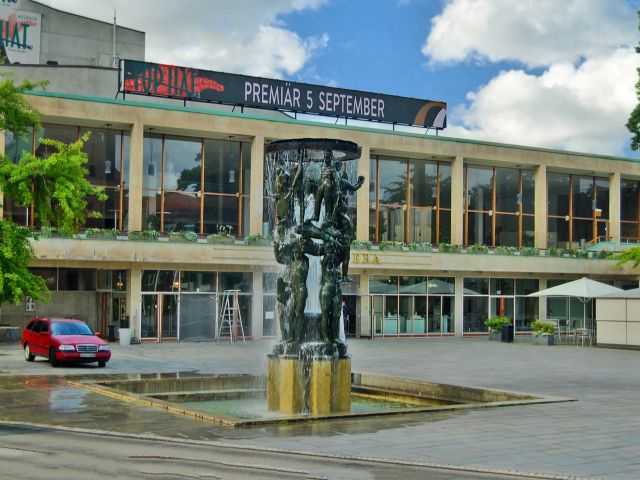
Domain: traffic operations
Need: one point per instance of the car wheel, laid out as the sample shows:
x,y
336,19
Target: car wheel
x,y
102,364
52,358
28,356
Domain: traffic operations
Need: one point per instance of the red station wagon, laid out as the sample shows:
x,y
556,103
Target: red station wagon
x,y
63,340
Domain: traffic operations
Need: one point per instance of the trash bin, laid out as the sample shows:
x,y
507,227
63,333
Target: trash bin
x,y
125,336
111,333
506,333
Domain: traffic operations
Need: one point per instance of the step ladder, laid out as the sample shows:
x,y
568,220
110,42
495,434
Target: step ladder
x,y
230,316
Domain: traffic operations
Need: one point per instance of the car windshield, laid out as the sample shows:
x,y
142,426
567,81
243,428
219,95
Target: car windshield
x,y
70,328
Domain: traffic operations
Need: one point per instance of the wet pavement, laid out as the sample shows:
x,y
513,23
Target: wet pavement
x,y
596,436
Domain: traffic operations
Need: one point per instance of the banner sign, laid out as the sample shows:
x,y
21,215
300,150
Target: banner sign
x,y
144,78
20,35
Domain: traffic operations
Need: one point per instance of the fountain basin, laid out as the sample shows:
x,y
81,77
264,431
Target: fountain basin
x,y
239,400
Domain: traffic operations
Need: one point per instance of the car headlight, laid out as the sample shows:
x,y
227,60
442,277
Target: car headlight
x,y
104,348
67,348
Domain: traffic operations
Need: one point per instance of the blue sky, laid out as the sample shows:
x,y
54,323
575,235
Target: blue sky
x,y
545,73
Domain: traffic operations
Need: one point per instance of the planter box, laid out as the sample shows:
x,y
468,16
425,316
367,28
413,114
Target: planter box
x,y
495,336
259,242
179,238
543,339
141,236
221,240
101,235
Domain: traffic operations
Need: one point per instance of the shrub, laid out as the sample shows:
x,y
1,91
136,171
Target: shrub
x,y
449,248
388,245
543,328
495,323
529,251
478,248
361,245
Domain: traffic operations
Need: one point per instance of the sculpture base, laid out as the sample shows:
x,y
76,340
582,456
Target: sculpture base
x,y
314,386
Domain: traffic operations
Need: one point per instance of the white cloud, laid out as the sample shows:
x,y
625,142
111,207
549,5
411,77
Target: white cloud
x,y
580,108
534,32
240,36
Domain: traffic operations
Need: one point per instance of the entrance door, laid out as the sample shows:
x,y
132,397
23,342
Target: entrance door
x,y
169,318
377,310
160,316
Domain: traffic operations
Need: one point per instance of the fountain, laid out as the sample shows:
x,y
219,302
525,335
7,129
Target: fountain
x,y
309,370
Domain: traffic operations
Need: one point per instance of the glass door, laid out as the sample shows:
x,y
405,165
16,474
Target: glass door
x,y
169,318
377,309
149,321
434,323
419,317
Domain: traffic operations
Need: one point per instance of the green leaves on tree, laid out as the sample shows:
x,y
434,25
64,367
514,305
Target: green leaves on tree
x,y
16,252
56,185
633,125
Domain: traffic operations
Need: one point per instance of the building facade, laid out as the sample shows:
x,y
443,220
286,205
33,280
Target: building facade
x,y
482,224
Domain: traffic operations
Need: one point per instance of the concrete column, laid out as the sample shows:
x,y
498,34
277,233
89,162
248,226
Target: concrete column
x,y
257,187
257,313
362,196
136,176
2,140
542,301
459,305
614,207
540,207
134,300
363,321
457,203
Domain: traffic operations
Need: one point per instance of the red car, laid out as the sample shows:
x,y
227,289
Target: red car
x,y
63,340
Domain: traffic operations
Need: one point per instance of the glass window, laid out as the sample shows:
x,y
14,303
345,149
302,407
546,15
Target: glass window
x,y
602,197
629,200
525,286
379,284
528,191
220,210
160,281
391,223
445,184
222,166
480,187
413,285
507,189
441,285
476,286
77,279
182,164
558,232
103,152
423,175
422,225
445,227
582,232
528,230
502,286
392,178
49,275
62,133
507,230
476,311
558,193
269,281
582,196
198,281
17,145
152,162
479,229
242,281
182,211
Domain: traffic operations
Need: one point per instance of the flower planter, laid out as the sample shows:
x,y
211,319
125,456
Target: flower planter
x,y
493,335
259,242
543,339
176,237
221,240
101,235
142,236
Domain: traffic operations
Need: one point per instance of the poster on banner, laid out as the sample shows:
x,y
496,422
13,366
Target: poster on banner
x,y
20,33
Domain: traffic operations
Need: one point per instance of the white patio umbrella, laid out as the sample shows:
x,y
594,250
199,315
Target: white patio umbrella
x,y
583,289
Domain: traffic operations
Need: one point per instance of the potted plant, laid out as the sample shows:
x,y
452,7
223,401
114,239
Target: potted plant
x,y
478,248
449,248
528,251
557,252
148,235
495,324
420,247
258,240
101,233
222,236
503,250
361,245
183,236
543,333
391,246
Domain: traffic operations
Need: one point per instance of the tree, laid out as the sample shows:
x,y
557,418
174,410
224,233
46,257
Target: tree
x,y
56,186
633,125
629,255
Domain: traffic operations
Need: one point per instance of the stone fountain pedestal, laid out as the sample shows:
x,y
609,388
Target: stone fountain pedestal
x,y
317,386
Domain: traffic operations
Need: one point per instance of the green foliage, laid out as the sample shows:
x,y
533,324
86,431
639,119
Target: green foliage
x,y
557,252
449,248
529,251
543,328
420,247
502,250
57,186
361,245
633,125
630,255
150,235
16,281
390,245
101,233
478,248
494,324
16,114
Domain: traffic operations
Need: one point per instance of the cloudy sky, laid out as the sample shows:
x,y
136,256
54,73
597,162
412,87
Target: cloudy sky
x,y
546,73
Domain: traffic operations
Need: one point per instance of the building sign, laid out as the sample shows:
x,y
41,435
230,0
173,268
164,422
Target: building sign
x,y
20,33
184,83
